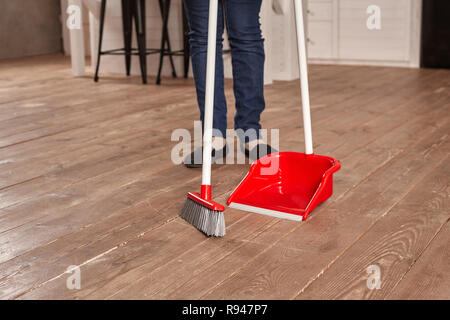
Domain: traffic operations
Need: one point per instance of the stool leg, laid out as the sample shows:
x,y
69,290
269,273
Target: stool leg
x,y
127,33
100,38
141,36
186,48
164,6
169,47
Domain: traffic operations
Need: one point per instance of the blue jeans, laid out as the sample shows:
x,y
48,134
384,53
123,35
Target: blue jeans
x,y
241,18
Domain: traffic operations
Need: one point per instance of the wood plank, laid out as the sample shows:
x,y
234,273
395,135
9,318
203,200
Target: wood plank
x,y
304,252
197,286
52,152
57,161
428,277
25,179
17,70
150,266
341,90
394,243
26,210
64,163
58,179
121,220
197,282
37,113
55,123
140,210
193,288
129,223
395,134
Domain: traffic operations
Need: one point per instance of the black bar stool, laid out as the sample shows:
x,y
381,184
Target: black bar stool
x,y
166,49
131,10
135,10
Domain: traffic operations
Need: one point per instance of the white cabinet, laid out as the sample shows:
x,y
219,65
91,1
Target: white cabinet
x,y
320,39
283,53
390,42
338,32
321,19
320,10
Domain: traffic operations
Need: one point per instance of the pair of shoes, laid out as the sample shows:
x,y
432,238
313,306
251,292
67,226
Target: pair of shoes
x,y
259,151
195,159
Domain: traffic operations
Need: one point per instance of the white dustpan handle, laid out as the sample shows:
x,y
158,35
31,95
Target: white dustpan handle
x,y
303,65
209,94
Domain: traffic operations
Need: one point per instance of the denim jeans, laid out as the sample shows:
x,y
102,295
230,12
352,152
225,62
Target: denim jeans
x,y
241,18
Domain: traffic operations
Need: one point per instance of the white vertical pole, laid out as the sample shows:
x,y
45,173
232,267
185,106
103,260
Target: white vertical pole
x,y
77,44
266,26
209,94
303,65
94,8
93,38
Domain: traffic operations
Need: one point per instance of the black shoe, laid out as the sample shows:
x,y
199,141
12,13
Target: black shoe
x,y
259,151
195,159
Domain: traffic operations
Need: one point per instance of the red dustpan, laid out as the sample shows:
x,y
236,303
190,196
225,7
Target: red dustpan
x,y
296,187
289,185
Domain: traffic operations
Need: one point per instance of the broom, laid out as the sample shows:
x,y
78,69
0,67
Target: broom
x,y
199,210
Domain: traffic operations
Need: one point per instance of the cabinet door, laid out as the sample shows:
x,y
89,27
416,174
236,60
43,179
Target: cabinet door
x,y
320,11
389,43
320,42
320,19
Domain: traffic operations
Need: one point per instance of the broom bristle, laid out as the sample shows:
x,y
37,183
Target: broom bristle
x,y
211,222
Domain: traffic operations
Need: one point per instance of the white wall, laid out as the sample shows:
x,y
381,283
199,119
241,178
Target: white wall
x,y
23,32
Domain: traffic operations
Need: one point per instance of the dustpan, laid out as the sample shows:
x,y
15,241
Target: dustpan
x,y
289,185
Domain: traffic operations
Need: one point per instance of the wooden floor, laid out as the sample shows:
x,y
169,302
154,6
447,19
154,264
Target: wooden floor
x,y
86,180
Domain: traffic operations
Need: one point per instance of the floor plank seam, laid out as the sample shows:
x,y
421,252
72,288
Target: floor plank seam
x,y
37,138
123,243
424,176
418,258
18,183
386,162
186,252
273,222
67,272
140,202
89,124
87,178
117,246
165,168
135,204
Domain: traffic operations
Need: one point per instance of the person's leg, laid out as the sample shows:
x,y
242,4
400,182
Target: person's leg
x,y
197,12
247,50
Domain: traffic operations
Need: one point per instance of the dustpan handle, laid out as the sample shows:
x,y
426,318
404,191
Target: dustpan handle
x,y
209,94
303,65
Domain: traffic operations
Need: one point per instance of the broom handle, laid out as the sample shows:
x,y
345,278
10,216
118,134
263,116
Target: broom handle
x,y
209,94
303,65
